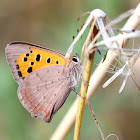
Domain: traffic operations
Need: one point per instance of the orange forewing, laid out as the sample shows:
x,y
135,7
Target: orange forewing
x,y
37,59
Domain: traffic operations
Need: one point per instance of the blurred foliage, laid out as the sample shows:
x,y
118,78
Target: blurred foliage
x,y
52,23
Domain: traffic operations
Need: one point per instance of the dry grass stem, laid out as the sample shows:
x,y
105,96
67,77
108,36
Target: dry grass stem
x,y
85,82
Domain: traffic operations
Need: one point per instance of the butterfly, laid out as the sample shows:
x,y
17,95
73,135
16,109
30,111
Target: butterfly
x,y
44,80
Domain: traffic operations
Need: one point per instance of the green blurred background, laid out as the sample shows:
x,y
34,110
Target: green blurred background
x,y
52,23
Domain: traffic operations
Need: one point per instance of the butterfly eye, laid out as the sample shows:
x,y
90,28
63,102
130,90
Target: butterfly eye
x,y
74,59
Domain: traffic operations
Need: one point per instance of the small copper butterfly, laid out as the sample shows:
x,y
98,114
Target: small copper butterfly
x,y
44,84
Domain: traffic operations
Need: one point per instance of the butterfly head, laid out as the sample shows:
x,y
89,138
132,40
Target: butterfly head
x,y
75,69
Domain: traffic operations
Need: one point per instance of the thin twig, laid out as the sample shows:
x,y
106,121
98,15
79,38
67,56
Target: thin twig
x,y
135,82
93,114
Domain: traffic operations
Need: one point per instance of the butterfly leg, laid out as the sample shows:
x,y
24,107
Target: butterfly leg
x,y
77,93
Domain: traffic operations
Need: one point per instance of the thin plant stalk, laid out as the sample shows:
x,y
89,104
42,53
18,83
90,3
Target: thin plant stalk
x,y
88,63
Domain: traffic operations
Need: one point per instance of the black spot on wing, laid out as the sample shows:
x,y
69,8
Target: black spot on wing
x,y
29,70
27,54
17,67
57,62
25,59
38,57
48,60
19,74
32,63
